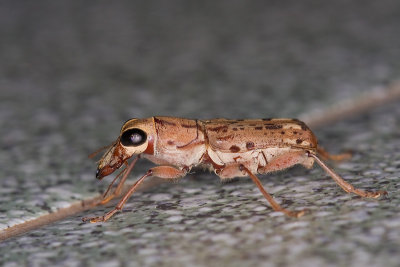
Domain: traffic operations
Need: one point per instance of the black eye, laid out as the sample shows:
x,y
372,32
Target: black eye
x,y
133,137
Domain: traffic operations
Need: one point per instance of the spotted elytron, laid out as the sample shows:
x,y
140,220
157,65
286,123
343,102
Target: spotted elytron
x,y
230,148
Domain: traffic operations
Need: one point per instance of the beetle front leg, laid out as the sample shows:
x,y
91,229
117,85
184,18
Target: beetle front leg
x,y
117,191
165,172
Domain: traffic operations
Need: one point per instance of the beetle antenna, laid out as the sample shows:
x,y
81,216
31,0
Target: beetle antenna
x,y
92,155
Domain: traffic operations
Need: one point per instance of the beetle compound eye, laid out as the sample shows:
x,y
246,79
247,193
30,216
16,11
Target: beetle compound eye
x,y
133,137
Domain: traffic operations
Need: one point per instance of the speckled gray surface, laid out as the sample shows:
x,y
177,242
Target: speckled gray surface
x,y
72,73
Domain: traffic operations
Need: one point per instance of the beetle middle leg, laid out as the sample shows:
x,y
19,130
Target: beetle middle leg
x,y
273,203
165,172
238,169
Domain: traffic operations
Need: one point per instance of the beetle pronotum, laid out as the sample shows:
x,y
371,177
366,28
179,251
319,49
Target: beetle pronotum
x,y
230,148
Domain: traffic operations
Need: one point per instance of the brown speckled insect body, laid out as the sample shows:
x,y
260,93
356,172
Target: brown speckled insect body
x,y
230,148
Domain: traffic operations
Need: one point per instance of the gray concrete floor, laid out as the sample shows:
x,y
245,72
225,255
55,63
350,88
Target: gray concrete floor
x,y
72,73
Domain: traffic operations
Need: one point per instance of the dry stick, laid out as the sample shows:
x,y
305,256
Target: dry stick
x,y
62,213
336,112
353,106
48,218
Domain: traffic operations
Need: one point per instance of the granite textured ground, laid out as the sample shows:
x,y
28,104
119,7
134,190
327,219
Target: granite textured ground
x,y
72,73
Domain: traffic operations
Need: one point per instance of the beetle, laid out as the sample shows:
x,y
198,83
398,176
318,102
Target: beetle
x,y
230,148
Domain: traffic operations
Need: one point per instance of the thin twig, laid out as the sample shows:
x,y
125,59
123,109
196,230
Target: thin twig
x,y
353,106
62,213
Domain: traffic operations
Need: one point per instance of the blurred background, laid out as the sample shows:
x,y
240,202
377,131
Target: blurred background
x,y
71,72
86,67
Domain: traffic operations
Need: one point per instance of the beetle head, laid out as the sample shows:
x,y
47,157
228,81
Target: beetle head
x,y
136,137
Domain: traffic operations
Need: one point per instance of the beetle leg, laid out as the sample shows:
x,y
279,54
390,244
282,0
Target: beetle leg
x,y
118,189
273,203
345,185
338,157
165,172
105,198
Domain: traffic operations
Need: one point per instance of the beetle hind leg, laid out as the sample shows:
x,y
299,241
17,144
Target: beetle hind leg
x,y
335,157
345,185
